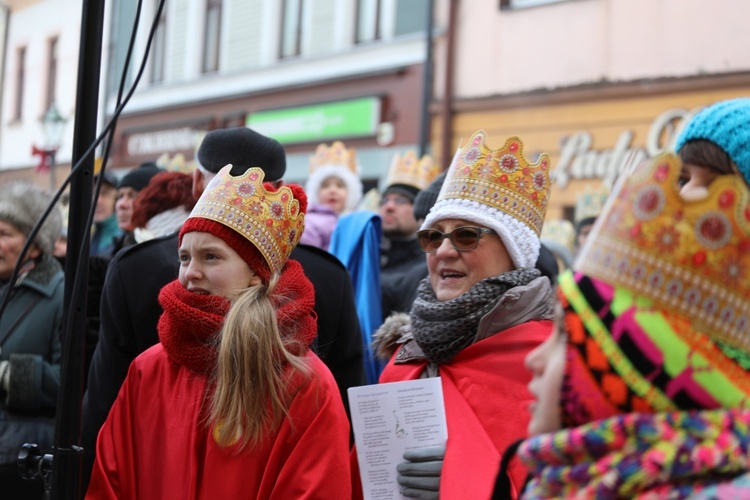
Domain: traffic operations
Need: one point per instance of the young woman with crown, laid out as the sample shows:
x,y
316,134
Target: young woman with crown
x,y
713,143
231,403
644,388
481,309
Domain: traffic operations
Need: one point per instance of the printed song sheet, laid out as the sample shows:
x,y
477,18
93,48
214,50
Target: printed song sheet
x,y
389,419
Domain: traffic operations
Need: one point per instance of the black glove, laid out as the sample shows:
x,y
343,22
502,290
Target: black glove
x,y
419,476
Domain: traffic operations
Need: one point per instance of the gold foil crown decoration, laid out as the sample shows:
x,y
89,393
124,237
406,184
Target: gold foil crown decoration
x,y
500,178
590,204
336,155
270,220
560,231
689,257
412,171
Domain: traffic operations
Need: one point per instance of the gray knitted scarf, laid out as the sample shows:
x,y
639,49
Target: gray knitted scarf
x,y
443,329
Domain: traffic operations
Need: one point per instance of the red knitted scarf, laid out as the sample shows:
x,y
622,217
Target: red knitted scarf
x,y
189,326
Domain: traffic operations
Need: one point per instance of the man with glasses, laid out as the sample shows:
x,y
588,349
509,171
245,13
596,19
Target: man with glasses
x,y
400,254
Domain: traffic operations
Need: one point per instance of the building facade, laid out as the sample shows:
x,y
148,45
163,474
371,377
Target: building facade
x,y
595,83
302,71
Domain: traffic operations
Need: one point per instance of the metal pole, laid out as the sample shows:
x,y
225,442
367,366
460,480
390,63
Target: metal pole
x,y
424,132
66,473
52,182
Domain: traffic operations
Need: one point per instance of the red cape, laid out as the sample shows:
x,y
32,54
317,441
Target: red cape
x,y
486,401
155,444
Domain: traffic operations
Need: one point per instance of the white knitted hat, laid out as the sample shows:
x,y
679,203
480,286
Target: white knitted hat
x,y
336,161
500,190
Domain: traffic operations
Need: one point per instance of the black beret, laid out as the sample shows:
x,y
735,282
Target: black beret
x,y
243,148
427,198
138,178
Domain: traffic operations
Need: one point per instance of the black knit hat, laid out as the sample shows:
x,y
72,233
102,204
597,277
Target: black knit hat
x,y
427,198
139,177
243,148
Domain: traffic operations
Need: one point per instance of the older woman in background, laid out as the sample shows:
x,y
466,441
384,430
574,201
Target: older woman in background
x,y
29,331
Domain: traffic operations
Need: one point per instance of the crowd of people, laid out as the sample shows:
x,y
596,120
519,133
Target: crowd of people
x,y
606,356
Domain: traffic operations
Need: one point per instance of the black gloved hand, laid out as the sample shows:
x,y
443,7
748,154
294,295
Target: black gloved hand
x,y
419,476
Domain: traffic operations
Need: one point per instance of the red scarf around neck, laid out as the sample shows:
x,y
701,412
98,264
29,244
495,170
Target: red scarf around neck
x,y
189,327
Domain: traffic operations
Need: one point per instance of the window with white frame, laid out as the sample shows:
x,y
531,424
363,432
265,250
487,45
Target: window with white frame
x,y
520,4
20,83
212,36
52,48
158,50
291,28
368,21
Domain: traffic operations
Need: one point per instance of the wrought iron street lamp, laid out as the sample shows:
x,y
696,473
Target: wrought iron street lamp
x,y
54,125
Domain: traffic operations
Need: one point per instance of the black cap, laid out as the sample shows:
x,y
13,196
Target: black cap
x,y
427,198
139,177
109,178
243,148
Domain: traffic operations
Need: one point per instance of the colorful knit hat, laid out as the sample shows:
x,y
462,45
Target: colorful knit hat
x,y
261,225
499,189
726,124
657,310
335,161
408,175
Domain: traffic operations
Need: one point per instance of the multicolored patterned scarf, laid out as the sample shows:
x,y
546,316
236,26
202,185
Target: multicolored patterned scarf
x,y
625,355
666,455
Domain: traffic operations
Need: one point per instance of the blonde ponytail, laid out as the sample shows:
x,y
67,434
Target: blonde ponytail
x,y
251,397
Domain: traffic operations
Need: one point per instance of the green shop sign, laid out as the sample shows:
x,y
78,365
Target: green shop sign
x,y
333,120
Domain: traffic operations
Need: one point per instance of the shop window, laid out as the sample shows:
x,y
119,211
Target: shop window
x,y
212,36
158,50
411,16
51,72
368,20
520,4
20,82
291,28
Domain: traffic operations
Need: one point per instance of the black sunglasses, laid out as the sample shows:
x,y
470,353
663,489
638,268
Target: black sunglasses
x,y
463,238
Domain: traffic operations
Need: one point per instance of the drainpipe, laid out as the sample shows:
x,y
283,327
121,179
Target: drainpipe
x,y
424,133
446,113
5,21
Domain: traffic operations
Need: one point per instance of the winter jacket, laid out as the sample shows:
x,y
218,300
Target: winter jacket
x,y
31,321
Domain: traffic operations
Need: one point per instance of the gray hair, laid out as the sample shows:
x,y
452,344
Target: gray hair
x,y
22,204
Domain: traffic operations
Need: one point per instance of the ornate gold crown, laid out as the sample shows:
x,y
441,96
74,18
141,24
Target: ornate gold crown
x,y
501,178
690,257
270,220
410,170
336,155
590,204
561,231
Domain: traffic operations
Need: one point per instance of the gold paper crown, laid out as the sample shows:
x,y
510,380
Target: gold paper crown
x,y
336,155
270,220
502,179
561,231
410,170
590,204
690,257
175,164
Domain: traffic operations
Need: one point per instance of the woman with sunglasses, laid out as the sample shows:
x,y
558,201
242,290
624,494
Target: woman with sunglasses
x,y
481,309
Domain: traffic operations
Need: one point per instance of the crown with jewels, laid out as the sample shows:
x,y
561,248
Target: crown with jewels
x,y
590,204
336,155
688,256
270,220
500,178
560,231
412,171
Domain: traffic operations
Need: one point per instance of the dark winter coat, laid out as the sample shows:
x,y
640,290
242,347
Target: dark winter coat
x,y
30,339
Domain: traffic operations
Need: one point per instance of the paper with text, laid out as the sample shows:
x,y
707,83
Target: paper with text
x,y
389,419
